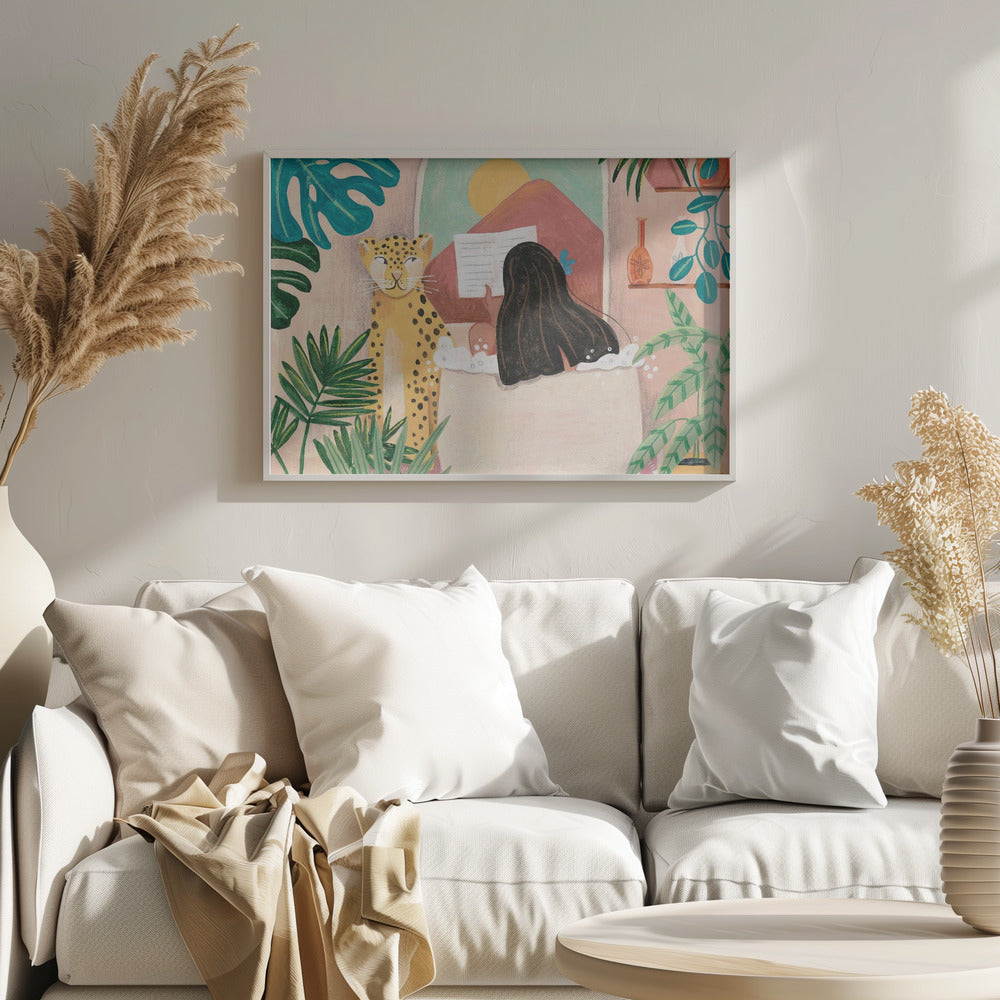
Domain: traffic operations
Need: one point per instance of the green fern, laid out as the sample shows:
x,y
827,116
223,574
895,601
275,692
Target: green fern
x,y
326,386
671,439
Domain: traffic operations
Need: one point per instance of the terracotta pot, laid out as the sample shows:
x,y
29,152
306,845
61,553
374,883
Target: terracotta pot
x,y
970,829
26,590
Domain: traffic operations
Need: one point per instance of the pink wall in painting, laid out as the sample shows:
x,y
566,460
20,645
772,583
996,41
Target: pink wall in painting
x,y
559,223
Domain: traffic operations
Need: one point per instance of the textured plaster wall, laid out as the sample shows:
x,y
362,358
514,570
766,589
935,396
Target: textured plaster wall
x,y
866,184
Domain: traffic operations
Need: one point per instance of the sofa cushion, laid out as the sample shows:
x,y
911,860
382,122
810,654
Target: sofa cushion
x,y
401,690
926,702
561,637
669,615
217,690
758,849
500,878
64,808
783,700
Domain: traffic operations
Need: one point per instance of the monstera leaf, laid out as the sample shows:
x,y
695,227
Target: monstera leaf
x,y
322,194
285,304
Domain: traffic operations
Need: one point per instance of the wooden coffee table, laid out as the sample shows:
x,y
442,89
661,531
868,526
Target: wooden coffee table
x,y
779,949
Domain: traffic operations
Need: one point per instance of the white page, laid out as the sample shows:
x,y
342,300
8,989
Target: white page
x,y
479,259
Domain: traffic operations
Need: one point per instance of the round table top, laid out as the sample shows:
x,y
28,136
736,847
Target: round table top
x,y
781,948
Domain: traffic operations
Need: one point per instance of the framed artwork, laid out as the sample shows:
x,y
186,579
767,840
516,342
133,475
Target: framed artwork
x,y
496,317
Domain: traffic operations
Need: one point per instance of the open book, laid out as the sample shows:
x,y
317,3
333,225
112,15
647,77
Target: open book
x,y
479,258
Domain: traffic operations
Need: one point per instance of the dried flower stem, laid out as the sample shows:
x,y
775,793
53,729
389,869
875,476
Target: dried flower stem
x,y
945,511
118,264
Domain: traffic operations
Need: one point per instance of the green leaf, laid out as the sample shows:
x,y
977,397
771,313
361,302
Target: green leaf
x,y
622,163
354,346
302,252
294,399
682,386
679,312
284,304
324,193
652,444
297,383
681,267
725,265
707,287
304,367
331,457
281,429
643,167
709,168
683,227
715,443
686,337
681,445
631,170
682,165
702,203
423,461
711,252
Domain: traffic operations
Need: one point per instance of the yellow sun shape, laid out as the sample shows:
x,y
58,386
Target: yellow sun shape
x,y
494,181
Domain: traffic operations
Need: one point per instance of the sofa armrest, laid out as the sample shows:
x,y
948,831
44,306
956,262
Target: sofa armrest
x,y
18,980
64,798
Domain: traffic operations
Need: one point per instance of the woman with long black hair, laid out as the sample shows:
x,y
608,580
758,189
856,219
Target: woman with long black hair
x,y
541,328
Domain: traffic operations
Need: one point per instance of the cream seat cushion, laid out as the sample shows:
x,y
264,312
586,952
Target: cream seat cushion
x,y
758,849
500,878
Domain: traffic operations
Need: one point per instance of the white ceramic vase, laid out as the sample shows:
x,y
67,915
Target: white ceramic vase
x,y
26,589
970,829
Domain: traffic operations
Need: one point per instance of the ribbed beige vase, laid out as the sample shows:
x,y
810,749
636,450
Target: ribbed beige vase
x,y
25,643
970,829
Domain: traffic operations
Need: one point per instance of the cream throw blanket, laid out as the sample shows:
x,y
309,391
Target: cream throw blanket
x,y
280,897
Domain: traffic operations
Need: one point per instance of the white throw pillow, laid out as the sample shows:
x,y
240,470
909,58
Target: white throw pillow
x,y
783,700
401,690
926,701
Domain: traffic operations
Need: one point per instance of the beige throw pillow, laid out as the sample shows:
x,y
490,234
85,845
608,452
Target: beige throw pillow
x,y
401,690
177,694
926,703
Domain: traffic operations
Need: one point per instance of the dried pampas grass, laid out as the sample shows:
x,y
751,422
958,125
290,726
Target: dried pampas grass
x,y
945,510
118,263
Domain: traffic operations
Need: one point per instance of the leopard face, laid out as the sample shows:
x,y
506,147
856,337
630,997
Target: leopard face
x,y
396,265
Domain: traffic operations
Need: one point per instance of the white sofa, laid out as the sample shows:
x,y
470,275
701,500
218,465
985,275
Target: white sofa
x,y
605,684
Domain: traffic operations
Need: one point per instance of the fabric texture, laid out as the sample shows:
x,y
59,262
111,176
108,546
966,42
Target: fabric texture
x,y
669,615
579,635
401,691
926,702
216,686
65,802
279,897
783,700
759,849
500,878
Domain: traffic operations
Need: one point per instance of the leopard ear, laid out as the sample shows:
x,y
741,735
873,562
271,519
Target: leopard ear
x,y
426,243
366,248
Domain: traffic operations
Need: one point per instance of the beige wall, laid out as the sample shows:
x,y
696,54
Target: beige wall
x,y
866,185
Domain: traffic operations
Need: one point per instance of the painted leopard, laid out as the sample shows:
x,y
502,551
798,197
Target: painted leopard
x,y
406,326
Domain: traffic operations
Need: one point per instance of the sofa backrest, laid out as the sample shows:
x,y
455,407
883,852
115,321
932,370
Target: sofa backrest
x,y
669,615
573,649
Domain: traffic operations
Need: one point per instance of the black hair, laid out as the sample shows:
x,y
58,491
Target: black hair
x,y
540,324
